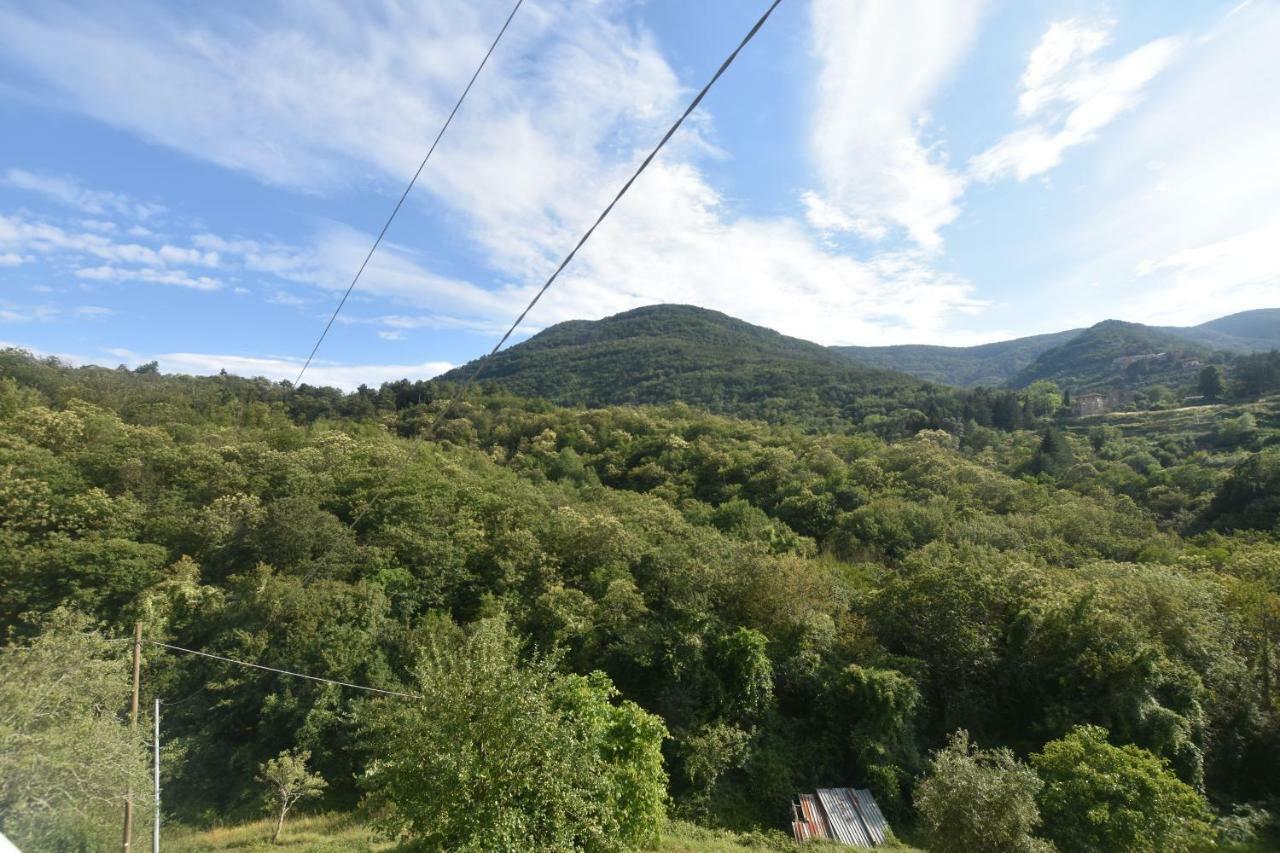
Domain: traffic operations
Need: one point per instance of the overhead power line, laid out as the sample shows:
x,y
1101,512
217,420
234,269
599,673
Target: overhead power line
x,y
405,194
644,164
286,672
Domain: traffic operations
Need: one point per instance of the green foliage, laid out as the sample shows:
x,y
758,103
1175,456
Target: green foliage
x,y
1257,374
1210,383
1089,359
988,365
877,708
1250,497
1099,798
69,754
664,353
287,781
497,755
798,608
1053,456
975,799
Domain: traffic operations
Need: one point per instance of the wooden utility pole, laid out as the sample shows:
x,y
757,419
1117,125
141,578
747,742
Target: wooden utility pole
x,y
133,723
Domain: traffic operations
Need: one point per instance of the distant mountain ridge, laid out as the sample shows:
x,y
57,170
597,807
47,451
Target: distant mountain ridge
x,y
990,365
663,354
1013,362
1114,353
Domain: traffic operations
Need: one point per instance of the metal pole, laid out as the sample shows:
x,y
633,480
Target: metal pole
x,y
133,724
155,828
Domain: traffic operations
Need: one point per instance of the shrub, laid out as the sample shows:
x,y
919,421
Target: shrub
x,y
976,799
1098,797
500,755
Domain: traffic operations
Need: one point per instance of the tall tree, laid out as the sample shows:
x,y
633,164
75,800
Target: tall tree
x,y
1210,384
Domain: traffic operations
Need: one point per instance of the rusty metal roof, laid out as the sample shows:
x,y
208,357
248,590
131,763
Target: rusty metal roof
x,y
869,811
846,815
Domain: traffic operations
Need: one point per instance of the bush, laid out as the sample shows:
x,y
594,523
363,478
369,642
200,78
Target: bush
x,y
975,799
503,756
1098,797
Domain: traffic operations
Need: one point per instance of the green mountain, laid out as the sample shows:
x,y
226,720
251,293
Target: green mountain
x,y
666,353
1114,352
1013,362
990,365
1248,331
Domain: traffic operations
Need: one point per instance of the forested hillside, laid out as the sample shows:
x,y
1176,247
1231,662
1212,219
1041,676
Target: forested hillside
x,y
649,611
664,353
991,364
1099,356
1064,358
1248,331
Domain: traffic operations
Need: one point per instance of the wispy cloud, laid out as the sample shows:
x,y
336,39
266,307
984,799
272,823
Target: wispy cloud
x,y
1067,96
1191,229
346,376
47,312
880,66
68,191
114,260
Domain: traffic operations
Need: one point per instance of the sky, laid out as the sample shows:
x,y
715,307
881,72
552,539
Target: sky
x,y
196,183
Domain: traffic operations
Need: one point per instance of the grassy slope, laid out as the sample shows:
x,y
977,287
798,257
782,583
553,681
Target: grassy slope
x,y
343,834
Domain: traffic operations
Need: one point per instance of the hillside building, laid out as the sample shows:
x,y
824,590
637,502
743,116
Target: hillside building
x,y
1089,404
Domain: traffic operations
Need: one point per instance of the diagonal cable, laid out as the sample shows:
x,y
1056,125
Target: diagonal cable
x,y
405,194
286,672
484,360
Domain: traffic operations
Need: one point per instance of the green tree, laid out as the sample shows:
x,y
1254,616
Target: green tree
x,y
1099,798
1210,383
1054,455
979,799
287,781
68,752
1250,498
500,755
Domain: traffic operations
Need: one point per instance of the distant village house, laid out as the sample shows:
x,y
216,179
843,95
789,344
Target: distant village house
x,y
1089,404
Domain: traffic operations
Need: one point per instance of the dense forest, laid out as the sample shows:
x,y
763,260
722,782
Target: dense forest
x,y
598,619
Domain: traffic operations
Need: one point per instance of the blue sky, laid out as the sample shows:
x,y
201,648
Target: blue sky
x,y
196,183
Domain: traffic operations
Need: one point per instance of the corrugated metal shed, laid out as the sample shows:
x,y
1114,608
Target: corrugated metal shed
x,y
869,811
846,815
842,817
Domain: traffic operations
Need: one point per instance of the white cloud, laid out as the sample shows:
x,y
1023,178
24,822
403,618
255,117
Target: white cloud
x,y
346,376
1067,97
881,64
178,278
67,191
10,259
162,264
11,313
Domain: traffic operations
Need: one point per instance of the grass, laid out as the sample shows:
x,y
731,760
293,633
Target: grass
x,y
340,833
325,833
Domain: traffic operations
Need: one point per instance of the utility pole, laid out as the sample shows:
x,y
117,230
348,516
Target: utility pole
x,y
133,723
155,827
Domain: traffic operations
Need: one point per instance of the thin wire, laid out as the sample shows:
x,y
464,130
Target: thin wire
x,y
484,360
405,194
286,672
